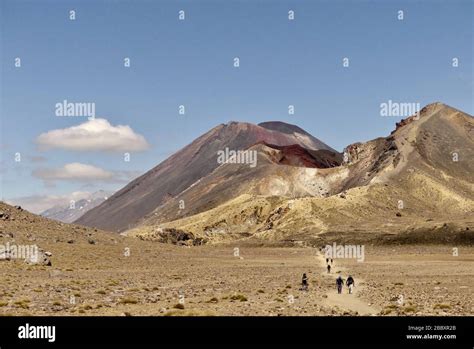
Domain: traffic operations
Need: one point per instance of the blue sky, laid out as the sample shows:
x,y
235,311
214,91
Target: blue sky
x,y
190,62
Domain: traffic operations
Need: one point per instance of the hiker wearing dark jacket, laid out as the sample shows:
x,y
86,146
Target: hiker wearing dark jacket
x,y
304,283
339,284
350,283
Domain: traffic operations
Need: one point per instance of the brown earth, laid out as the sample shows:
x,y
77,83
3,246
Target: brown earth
x,y
119,275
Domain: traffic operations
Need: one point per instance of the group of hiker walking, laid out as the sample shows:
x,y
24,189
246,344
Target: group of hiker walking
x,y
350,283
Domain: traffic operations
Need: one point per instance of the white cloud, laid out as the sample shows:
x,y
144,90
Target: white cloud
x,y
74,171
94,135
86,174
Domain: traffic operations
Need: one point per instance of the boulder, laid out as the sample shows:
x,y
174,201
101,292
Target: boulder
x,y
40,258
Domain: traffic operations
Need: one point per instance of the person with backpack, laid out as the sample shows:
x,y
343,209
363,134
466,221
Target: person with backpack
x,y
339,284
350,283
304,283
329,268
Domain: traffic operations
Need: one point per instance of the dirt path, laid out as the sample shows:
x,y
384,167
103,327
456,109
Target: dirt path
x,y
345,300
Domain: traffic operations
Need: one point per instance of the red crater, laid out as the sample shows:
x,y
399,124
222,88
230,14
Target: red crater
x,y
296,155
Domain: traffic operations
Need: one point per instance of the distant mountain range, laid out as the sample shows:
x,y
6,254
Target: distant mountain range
x,y
71,211
301,189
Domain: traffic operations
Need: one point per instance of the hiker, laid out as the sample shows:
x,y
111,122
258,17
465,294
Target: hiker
x,y
327,260
339,284
329,268
331,260
350,283
304,283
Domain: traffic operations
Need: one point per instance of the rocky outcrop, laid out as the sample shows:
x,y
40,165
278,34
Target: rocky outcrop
x,y
174,236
